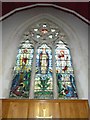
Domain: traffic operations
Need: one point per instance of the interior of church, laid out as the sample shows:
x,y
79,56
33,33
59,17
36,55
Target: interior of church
x,y
44,52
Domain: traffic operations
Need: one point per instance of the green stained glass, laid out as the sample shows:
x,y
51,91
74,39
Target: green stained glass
x,y
22,71
64,72
43,79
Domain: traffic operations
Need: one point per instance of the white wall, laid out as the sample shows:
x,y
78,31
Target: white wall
x,y
76,30
1,60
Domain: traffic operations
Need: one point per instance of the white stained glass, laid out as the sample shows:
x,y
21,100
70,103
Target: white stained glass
x,y
18,63
20,51
44,46
56,34
31,50
69,63
27,41
30,62
50,56
18,56
36,29
38,36
50,62
44,25
61,46
67,51
52,30
39,50
50,36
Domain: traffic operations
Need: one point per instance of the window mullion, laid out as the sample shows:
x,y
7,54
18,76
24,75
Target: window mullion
x,y
54,74
31,95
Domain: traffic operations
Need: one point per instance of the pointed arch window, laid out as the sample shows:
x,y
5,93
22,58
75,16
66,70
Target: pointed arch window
x,y
43,78
50,53
22,71
64,72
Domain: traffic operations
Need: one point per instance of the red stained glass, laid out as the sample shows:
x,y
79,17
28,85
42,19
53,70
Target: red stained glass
x,y
44,30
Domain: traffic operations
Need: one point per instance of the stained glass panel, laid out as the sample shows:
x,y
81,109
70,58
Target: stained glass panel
x,y
43,79
64,72
22,71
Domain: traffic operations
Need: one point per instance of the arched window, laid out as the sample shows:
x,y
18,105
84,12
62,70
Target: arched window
x,y
64,72
43,78
22,71
50,68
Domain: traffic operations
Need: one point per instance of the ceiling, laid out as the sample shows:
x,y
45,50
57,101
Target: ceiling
x,y
79,7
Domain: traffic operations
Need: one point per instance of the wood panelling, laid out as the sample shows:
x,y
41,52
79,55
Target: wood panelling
x,y
18,110
74,110
0,109
45,108
5,108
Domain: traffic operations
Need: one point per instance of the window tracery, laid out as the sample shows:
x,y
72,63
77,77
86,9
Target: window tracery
x,y
44,32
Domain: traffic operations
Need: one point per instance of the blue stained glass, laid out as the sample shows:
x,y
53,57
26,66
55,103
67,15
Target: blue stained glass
x,y
22,72
44,82
43,79
64,72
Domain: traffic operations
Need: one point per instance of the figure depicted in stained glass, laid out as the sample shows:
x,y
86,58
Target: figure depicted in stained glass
x,y
43,88
64,72
22,72
65,68
61,55
43,78
44,61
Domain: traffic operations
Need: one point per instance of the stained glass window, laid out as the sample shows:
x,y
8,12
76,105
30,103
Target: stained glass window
x,y
42,35
64,72
43,79
22,71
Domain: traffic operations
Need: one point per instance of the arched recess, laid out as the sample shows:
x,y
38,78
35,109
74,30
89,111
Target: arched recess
x,y
71,39
43,82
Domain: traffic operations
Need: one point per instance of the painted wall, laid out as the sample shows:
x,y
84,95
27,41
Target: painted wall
x,y
77,31
1,60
